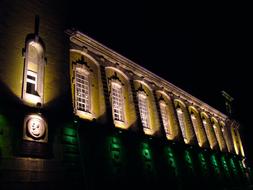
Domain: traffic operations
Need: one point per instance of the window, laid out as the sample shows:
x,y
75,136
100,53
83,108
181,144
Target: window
x,y
209,133
143,108
33,78
31,83
215,131
164,114
117,101
206,128
195,124
181,122
82,90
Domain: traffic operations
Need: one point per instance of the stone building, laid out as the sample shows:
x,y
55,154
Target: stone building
x,y
76,114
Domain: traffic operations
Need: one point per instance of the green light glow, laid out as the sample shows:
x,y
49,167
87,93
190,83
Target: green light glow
x,y
5,141
170,154
188,160
146,151
203,164
232,164
215,165
225,166
147,158
69,131
241,167
2,123
115,150
70,140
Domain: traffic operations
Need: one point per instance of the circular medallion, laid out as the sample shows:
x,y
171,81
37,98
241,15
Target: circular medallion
x,y
36,127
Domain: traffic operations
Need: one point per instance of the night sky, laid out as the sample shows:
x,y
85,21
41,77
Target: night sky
x,y
202,50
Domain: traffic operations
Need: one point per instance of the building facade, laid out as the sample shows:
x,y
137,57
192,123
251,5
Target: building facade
x,y
74,113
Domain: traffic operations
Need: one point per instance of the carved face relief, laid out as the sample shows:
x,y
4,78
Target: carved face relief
x,y
36,127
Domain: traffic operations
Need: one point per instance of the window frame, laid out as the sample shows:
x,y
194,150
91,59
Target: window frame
x,y
82,71
143,96
119,86
182,123
165,116
34,82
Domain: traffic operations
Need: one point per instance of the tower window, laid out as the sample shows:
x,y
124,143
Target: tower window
x,y
117,101
143,108
181,122
82,90
31,83
164,114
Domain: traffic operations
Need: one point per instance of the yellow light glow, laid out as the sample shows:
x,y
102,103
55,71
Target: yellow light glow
x,y
120,124
31,99
84,115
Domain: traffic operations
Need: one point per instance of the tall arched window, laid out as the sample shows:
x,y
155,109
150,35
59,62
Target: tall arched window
x,y
181,122
209,130
218,134
143,109
82,89
33,79
147,107
86,86
164,115
227,136
117,101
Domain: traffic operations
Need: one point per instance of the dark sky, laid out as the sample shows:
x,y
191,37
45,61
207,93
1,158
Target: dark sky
x,y
202,49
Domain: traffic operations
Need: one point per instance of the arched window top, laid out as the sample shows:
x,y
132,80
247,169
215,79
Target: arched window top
x,y
86,55
35,48
82,69
222,123
179,103
114,78
214,120
119,72
204,116
142,83
163,95
193,110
